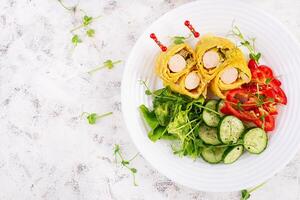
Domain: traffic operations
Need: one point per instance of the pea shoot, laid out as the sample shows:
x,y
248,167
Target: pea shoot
x,y
268,81
76,40
90,33
93,117
147,91
251,47
86,21
180,39
125,163
109,64
245,194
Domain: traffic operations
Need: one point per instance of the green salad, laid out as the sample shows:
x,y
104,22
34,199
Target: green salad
x,y
199,129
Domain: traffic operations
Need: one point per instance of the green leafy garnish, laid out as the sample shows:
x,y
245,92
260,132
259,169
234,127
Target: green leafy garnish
x,y
147,91
125,163
174,116
90,32
180,39
271,100
76,40
109,64
268,80
253,54
149,117
263,118
86,21
239,106
245,194
93,117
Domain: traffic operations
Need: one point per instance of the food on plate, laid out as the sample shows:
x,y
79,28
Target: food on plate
x,y
233,75
175,62
191,84
257,101
218,128
213,52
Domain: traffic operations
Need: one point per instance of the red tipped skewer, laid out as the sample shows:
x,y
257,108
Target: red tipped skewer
x,y
161,46
188,24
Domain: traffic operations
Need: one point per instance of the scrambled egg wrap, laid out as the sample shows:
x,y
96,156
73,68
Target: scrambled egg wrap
x,y
241,75
209,43
180,85
162,64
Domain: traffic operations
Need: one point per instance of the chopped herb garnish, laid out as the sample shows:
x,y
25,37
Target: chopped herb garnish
x,y
125,163
268,80
271,100
109,64
260,102
239,106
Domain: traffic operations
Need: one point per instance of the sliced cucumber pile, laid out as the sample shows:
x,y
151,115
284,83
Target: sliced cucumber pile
x,y
209,135
210,118
230,129
227,142
255,140
213,155
232,154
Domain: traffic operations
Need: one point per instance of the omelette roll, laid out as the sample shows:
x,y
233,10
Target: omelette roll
x,y
171,65
211,54
191,84
233,75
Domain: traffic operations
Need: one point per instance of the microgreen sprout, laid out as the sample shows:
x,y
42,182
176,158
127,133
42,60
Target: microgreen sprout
x,y
253,54
239,106
90,32
109,64
125,163
180,39
245,194
147,91
206,108
86,20
76,40
93,117
268,80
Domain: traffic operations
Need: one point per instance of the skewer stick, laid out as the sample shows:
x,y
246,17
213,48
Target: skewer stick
x,y
188,24
161,46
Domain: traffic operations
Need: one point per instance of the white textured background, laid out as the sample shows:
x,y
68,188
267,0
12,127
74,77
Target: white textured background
x,y
46,150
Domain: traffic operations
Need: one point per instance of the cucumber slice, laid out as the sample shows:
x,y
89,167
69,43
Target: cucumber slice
x,y
255,140
232,154
211,119
209,135
221,103
230,129
213,155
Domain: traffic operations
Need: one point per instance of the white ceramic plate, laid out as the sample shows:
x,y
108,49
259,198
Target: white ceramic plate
x,y
280,50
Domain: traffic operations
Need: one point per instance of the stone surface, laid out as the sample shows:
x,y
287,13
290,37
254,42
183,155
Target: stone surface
x,y
47,150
